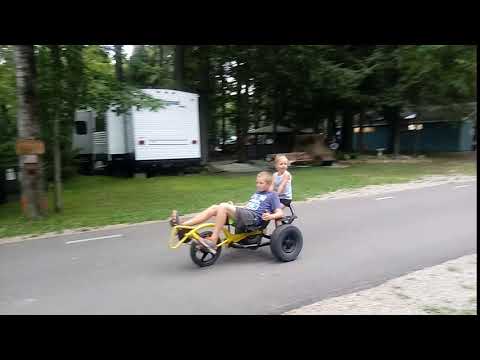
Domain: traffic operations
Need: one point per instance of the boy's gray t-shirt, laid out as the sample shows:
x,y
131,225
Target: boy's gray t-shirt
x,y
263,201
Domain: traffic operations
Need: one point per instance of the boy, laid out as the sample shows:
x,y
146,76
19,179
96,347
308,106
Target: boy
x,y
264,205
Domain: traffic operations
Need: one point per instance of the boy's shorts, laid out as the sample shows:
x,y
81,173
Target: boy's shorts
x,y
246,219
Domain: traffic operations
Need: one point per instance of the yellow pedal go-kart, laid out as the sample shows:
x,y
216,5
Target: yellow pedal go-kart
x,y
285,242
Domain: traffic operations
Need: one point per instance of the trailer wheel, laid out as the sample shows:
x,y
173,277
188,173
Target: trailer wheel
x,y
286,243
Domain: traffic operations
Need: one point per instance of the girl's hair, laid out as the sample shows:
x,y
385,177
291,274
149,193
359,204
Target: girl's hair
x,y
280,157
265,175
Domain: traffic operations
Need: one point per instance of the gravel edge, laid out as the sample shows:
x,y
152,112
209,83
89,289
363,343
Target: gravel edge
x,y
446,289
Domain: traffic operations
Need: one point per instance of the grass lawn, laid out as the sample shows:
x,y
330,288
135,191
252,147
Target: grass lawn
x,y
99,200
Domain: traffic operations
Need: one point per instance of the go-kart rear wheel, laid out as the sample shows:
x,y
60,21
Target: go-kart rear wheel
x,y
201,256
286,243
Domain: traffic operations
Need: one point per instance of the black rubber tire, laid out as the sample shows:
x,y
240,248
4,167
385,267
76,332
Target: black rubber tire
x,y
286,243
206,258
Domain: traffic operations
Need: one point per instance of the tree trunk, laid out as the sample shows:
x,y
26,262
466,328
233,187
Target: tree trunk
x,y
204,100
161,55
3,118
74,71
317,116
119,63
256,107
360,145
57,158
392,116
224,109
179,69
33,199
276,116
332,127
417,142
242,123
316,123
347,130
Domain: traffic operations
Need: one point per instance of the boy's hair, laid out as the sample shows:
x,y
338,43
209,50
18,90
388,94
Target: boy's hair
x,y
267,176
279,157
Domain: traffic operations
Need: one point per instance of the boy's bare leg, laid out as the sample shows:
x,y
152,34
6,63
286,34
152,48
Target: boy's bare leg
x,y
221,212
199,218
220,220
231,209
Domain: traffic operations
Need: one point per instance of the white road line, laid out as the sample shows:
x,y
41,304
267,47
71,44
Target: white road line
x,y
461,186
92,239
385,198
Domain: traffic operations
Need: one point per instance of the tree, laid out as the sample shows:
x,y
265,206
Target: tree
x,y
119,63
412,75
297,86
389,90
8,123
148,67
33,197
57,69
179,71
205,91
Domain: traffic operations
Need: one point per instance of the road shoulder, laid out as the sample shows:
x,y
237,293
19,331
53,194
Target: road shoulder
x,y
446,289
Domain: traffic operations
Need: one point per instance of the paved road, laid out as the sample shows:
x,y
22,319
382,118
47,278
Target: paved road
x,y
349,244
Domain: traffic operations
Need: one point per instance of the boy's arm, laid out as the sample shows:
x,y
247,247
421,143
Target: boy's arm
x,y
278,214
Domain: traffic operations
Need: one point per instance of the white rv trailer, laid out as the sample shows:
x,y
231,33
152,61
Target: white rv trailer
x,y
142,139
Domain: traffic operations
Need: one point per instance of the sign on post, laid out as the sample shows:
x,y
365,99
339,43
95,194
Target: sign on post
x,y
30,147
30,159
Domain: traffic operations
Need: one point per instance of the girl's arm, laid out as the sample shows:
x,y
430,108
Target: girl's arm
x,y
286,178
272,185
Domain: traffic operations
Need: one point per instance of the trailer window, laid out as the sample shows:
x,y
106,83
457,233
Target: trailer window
x,y
81,127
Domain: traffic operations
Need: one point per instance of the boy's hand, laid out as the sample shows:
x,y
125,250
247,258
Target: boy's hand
x,y
267,216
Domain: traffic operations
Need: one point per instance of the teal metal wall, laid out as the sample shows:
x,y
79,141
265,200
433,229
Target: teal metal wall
x,y
453,136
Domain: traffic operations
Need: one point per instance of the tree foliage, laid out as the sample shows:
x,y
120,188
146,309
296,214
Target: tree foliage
x,y
248,85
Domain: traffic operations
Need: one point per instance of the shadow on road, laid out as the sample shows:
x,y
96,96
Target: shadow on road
x,y
231,257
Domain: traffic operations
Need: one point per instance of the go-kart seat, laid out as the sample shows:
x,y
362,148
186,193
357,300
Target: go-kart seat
x,y
231,222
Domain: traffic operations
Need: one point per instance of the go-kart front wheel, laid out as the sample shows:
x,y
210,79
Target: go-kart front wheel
x,y
286,243
201,256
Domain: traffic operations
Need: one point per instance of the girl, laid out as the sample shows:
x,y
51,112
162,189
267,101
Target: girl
x,y
282,181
